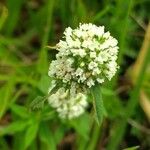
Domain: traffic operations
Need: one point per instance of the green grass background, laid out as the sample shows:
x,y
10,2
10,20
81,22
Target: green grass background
x,y
26,28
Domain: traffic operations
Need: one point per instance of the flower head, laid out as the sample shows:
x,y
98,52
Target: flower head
x,y
68,103
86,56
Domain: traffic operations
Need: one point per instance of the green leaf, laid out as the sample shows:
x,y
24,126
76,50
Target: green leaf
x,y
101,14
30,134
44,84
132,148
3,15
37,103
59,133
98,103
20,111
18,140
47,137
3,144
48,113
14,7
82,125
42,62
14,127
107,91
6,93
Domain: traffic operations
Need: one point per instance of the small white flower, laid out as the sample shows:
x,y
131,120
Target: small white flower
x,y
92,65
96,71
79,72
92,54
79,33
68,31
85,44
62,45
100,80
80,52
73,43
90,83
106,35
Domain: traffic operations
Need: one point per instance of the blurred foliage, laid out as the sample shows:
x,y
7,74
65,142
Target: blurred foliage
x,y
26,28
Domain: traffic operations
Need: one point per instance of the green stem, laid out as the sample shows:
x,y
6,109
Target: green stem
x,y
95,137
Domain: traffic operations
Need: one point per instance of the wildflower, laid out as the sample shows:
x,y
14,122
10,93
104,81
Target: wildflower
x,y
86,56
91,45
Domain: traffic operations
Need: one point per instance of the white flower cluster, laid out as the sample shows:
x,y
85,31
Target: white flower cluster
x,y
68,103
86,56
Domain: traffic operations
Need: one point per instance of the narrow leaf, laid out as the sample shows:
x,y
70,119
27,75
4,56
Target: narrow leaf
x,y
3,16
132,148
98,103
6,95
14,127
30,134
47,136
20,111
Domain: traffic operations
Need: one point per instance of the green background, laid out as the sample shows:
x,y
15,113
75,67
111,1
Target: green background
x,y
26,28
